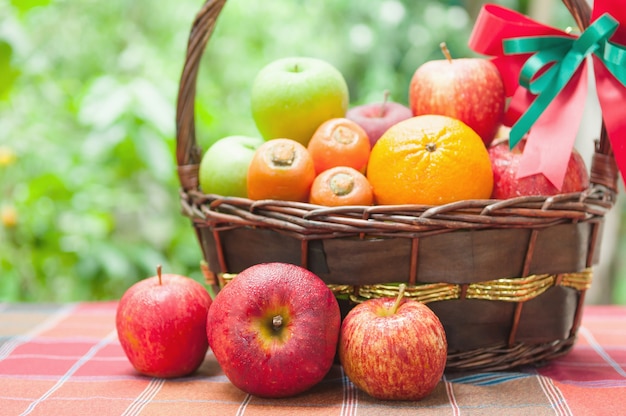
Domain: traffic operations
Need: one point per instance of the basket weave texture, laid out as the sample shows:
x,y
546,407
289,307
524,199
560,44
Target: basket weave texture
x,y
507,278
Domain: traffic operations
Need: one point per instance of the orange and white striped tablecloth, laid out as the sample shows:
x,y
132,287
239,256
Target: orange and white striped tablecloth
x,y
66,360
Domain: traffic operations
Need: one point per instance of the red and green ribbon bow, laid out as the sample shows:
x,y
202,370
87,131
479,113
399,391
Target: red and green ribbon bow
x,y
545,71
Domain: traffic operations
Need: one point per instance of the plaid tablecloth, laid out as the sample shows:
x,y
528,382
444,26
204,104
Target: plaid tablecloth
x,y
66,360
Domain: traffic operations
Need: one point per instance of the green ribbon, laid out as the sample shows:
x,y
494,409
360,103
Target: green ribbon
x,y
555,60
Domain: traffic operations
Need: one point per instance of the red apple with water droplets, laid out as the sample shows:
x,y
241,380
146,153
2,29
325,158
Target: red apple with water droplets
x,y
161,325
393,349
468,89
505,164
274,329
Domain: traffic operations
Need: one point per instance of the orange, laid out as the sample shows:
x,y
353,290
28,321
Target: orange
x,y
341,185
280,169
339,142
429,160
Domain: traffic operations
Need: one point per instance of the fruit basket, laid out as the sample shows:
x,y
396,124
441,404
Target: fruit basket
x,y
507,278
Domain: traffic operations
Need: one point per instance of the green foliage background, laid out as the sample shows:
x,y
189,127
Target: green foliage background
x,y
88,185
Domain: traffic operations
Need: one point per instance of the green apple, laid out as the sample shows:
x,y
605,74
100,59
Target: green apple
x,y
224,166
292,96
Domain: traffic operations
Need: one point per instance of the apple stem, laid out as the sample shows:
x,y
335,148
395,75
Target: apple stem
x,y
381,113
396,304
277,322
159,273
446,51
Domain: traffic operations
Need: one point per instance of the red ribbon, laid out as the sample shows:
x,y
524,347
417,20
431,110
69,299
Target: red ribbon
x,y
551,138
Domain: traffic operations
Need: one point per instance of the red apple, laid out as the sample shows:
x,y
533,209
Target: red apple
x,y
505,164
274,329
161,325
393,349
376,118
468,89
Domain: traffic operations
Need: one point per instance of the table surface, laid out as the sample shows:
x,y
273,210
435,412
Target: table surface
x,y
66,360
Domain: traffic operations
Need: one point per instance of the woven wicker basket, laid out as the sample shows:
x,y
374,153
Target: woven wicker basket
x,y
507,278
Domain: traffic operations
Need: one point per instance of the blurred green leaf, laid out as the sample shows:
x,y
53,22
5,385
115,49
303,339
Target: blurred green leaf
x,y
8,73
26,5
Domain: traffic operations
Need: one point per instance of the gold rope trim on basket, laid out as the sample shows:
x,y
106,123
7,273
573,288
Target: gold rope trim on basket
x,y
506,290
431,292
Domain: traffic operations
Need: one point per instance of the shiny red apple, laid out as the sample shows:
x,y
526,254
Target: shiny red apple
x,y
468,89
505,164
274,329
161,325
393,349
376,118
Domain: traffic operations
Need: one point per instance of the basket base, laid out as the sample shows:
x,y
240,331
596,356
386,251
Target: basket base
x,y
500,358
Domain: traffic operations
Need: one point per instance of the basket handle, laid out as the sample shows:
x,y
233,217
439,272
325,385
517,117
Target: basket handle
x,y
188,154
603,170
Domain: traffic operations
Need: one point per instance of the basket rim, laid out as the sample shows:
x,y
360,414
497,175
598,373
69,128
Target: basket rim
x,y
532,212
